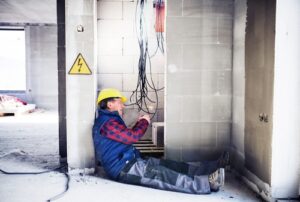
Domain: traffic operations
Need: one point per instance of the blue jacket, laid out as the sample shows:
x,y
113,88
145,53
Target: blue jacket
x,y
113,155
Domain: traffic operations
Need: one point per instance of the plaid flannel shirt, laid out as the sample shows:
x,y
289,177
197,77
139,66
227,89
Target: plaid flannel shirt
x,y
119,132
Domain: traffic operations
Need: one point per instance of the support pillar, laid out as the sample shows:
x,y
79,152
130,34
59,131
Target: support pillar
x,y
81,36
61,68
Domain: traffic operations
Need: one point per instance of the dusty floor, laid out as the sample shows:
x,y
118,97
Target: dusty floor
x,y
30,143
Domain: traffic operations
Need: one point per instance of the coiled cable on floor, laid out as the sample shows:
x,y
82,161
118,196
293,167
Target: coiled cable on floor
x,y
42,172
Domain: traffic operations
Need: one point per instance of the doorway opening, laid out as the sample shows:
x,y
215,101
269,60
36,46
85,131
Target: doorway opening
x,y
12,55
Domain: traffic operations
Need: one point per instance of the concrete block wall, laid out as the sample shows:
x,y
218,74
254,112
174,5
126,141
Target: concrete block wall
x,y
238,102
198,78
31,11
41,65
118,53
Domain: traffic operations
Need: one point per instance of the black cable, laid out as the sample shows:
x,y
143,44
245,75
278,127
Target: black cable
x,y
31,173
42,172
66,188
143,86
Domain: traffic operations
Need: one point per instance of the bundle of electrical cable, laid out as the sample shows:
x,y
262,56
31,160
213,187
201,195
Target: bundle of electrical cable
x,y
144,84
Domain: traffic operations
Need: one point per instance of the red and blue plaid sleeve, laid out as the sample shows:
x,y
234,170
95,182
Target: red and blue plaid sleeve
x,y
117,131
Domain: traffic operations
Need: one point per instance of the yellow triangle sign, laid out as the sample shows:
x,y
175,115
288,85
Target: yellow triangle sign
x,y
80,66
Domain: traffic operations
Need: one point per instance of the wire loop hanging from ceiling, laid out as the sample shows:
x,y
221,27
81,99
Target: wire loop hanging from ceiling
x,y
145,83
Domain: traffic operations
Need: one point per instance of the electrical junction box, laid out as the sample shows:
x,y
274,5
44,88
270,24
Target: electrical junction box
x,y
158,133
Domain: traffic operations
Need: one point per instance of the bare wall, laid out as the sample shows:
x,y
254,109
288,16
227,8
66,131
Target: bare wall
x,y
41,65
198,78
259,63
265,149
238,102
29,11
39,21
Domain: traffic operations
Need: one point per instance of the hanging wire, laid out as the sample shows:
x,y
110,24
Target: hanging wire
x,y
144,84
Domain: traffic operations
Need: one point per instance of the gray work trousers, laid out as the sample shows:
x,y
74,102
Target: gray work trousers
x,y
169,175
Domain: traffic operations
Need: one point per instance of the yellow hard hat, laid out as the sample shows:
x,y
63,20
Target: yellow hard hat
x,y
110,93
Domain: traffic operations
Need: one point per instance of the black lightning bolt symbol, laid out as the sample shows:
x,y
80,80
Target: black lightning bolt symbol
x,y
79,64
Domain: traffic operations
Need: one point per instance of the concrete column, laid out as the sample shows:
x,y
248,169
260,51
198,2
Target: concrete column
x,y
285,170
80,89
61,68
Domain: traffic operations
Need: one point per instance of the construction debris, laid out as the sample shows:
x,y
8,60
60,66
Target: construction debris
x,y
11,105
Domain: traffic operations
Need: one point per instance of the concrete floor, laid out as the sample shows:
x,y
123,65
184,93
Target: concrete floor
x,y
30,143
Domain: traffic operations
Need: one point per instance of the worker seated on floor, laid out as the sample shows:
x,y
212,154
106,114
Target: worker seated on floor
x,y
113,142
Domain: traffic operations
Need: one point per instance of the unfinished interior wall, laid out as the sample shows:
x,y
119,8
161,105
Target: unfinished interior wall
x,y
39,22
238,102
118,53
272,65
31,11
286,119
270,147
259,63
41,66
198,78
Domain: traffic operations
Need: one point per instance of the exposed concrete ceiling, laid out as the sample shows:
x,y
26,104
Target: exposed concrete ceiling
x,y
27,11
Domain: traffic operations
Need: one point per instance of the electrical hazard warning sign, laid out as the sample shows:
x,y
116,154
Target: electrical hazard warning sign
x,y
80,66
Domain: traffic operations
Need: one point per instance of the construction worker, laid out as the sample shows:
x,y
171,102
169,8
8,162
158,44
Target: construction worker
x,y
113,142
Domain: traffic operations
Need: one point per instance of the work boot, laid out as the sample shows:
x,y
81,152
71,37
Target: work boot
x,y
224,160
216,179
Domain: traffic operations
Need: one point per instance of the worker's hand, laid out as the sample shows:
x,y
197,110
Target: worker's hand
x,y
146,116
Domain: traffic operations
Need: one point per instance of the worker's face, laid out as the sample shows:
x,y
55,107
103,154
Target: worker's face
x,y
116,105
